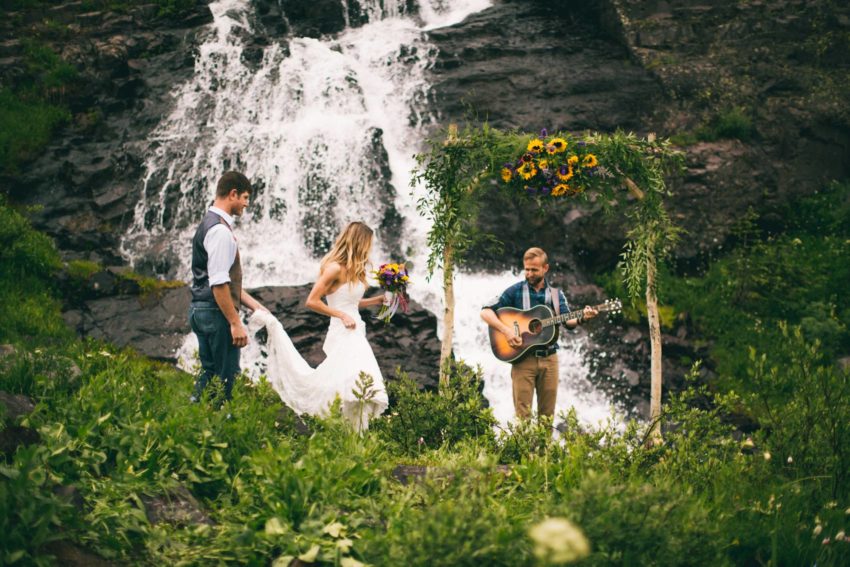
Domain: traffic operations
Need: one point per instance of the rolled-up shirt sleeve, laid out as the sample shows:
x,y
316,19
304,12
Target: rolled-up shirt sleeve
x,y
221,253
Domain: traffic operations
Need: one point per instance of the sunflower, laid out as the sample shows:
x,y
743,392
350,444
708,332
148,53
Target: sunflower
x,y
556,145
573,160
535,146
590,161
527,170
560,189
507,174
544,164
565,172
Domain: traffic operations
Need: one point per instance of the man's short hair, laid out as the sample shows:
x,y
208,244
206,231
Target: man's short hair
x,y
535,253
231,180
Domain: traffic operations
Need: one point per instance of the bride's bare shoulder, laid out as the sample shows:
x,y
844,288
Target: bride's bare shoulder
x,y
331,270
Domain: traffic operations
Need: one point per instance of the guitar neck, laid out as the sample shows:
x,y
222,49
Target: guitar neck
x,y
578,314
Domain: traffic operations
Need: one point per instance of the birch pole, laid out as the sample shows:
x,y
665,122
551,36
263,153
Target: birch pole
x,y
654,333
448,314
448,289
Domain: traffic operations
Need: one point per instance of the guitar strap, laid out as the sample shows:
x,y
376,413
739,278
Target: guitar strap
x,y
550,291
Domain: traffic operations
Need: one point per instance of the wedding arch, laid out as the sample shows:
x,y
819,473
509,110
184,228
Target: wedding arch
x,y
621,171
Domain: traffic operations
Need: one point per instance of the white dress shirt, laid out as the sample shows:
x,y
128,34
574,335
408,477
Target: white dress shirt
x,y
220,245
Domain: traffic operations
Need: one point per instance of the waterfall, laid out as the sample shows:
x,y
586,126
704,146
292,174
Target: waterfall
x,y
326,129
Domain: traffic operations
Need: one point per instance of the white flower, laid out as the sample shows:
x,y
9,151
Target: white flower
x,y
839,536
818,529
557,540
790,459
847,511
334,530
767,455
274,527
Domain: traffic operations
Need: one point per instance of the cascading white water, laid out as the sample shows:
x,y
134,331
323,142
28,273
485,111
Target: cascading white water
x,y
315,125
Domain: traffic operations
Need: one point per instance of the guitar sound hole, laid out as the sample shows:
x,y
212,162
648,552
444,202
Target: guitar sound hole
x,y
535,326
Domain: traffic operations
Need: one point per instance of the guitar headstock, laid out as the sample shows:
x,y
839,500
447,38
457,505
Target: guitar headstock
x,y
610,306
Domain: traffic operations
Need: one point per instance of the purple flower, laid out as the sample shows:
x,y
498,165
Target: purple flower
x,y
581,144
563,170
544,132
545,190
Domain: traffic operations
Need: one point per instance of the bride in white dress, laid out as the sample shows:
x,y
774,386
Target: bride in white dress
x,y
342,282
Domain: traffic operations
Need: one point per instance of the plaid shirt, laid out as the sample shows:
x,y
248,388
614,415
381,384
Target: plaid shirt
x,y
512,297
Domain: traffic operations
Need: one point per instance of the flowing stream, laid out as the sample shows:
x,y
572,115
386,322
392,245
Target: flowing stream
x,y
326,129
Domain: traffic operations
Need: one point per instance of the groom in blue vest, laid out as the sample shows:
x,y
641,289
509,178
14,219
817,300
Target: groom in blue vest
x,y
537,371
217,290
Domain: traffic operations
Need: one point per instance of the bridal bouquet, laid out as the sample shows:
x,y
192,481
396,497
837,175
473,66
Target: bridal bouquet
x,y
393,279
552,166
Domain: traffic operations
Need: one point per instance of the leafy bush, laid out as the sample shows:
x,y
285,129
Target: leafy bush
x,y
427,420
639,523
29,260
808,427
468,514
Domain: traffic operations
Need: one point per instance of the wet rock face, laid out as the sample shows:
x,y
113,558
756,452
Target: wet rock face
x,y
128,64
528,66
12,435
157,324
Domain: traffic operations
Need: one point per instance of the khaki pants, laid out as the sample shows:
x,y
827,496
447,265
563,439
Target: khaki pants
x,y
532,374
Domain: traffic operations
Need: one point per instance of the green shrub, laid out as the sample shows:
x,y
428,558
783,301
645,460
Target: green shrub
x,y
808,427
639,523
467,515
29,261
426,420
31,515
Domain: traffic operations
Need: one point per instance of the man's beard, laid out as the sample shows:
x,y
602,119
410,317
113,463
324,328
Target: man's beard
x,y
533,281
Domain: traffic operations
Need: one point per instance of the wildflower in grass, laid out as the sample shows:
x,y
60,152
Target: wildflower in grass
x,y
840,536
557,540
767,455
790,459
818,529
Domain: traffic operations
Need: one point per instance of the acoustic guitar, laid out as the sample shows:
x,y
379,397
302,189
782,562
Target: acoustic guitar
x,y
537,326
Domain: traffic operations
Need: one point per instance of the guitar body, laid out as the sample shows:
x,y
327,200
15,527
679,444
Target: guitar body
x,y
526,324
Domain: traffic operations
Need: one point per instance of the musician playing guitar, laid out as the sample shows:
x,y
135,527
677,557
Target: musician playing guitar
x,y
537,370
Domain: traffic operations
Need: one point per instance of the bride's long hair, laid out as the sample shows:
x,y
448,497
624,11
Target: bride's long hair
x,y
351,251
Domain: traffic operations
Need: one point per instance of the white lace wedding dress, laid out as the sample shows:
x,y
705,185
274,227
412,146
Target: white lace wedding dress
x,y
312,390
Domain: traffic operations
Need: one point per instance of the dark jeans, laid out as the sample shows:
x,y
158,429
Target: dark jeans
x,y
215,347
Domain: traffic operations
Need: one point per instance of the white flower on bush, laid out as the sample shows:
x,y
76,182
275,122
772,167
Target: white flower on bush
x,y
558,541
818,529
767,455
